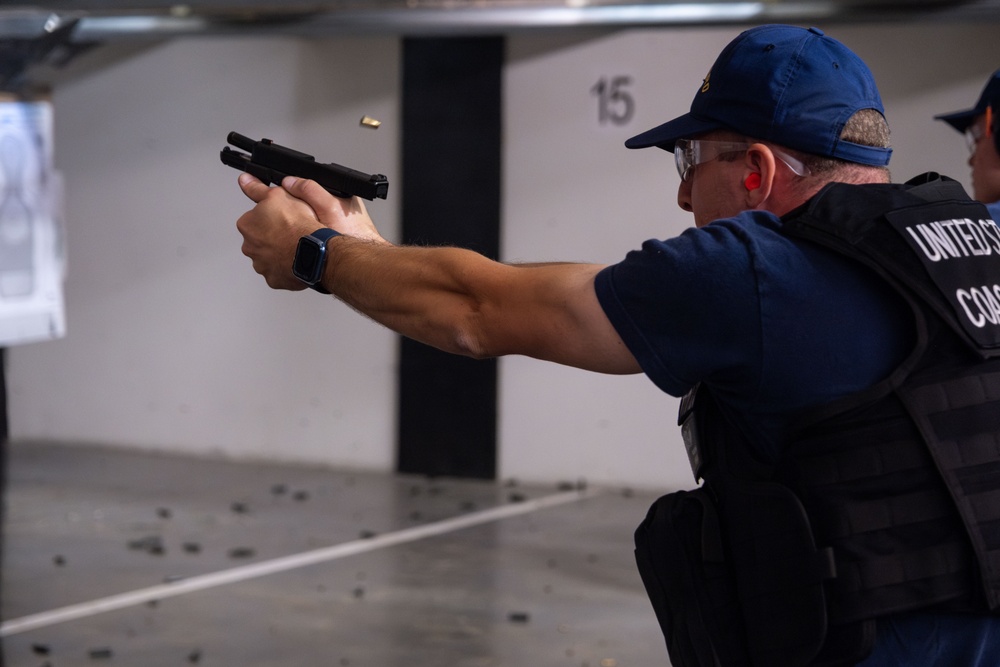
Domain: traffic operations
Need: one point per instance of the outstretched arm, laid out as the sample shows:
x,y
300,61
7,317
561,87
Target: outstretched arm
x,y
453,299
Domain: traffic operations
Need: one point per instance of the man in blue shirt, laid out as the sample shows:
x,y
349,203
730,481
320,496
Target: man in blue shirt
x,y
786,128
980,125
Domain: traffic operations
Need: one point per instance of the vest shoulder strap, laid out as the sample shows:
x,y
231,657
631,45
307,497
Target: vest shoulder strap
x,y
926,238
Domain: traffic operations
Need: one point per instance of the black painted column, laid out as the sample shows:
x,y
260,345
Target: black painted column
x,y
451,139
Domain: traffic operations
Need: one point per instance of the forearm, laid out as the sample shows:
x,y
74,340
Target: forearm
x,y
446,297
416,293
462,302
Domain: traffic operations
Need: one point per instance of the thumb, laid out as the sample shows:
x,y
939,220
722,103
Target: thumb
x,y
253,187
308,191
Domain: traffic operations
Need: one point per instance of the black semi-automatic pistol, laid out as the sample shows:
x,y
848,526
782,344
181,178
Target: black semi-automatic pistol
x,y
270,163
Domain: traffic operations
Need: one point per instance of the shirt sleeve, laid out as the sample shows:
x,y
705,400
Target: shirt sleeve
x,y
688,308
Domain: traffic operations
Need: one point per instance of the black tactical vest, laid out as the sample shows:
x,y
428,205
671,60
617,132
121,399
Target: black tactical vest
x,y
885,474
885,501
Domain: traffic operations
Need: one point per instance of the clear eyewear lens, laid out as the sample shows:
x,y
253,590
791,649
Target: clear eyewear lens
x,y
689,153
972,136
683,158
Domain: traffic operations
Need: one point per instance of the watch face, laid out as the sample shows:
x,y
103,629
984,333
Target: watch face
x,y
308,264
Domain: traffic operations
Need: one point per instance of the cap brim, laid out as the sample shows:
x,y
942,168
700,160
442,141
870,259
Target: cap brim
x,y
666,135
960,120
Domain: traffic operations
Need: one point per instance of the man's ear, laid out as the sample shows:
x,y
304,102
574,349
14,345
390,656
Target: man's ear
x,y
758,175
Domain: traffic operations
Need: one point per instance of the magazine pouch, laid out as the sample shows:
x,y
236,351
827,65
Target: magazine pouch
x,y
678,548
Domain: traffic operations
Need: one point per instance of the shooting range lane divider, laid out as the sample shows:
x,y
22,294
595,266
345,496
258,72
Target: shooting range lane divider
x,y
285,563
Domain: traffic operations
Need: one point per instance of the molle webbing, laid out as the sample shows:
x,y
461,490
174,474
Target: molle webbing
x,y
959,416
873,494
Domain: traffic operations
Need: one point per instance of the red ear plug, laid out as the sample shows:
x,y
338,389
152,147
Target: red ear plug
x,y
752,182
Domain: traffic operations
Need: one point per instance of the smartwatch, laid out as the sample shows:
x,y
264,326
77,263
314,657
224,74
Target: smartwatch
x,y
310,257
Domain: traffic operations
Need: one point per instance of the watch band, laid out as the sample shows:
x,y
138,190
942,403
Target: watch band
x,y
324,234
320,238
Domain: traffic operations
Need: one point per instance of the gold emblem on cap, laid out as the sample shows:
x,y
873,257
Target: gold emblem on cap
x,y
704,82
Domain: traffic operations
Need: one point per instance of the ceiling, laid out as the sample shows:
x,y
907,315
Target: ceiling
x,y
53,33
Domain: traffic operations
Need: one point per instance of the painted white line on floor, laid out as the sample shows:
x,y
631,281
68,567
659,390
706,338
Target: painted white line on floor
x,y
201,582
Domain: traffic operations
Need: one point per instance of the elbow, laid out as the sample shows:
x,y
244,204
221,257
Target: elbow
x,y
467,343
467,329
474,335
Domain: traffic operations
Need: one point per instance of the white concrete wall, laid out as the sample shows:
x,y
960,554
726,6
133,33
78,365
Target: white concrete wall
x,y
173,341
175,344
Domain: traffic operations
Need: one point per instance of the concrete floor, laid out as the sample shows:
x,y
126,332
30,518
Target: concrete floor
x,y
124,558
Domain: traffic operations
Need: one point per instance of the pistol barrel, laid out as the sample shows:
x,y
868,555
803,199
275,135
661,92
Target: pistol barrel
x,y
241,142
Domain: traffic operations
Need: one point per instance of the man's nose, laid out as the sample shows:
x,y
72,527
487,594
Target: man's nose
x,y
684,196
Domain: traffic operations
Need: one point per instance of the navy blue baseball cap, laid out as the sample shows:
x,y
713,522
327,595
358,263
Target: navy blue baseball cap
x,y
793,86
961,120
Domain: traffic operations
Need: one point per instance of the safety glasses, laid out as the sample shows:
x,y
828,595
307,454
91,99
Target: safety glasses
x,y
689,153
977,131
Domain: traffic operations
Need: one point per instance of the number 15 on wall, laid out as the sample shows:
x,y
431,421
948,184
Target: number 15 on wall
x,y
615,104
